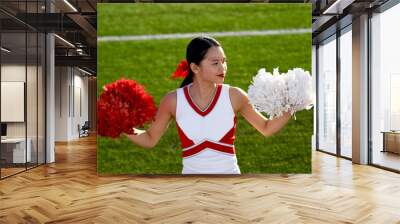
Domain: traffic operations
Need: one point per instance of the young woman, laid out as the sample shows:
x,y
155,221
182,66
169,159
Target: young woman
x,y
205,113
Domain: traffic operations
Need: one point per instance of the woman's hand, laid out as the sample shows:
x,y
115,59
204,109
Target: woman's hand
x,y
135,132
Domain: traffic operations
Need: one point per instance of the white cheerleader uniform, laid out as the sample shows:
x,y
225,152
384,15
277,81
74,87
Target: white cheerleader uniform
x,y
207,136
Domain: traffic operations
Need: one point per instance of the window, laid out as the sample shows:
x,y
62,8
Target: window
x,y
23,77
385,88
327,95
346,75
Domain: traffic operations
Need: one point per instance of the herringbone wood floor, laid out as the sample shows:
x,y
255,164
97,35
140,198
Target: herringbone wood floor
x,y
70,191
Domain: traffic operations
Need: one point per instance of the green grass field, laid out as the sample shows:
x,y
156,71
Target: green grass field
x,y
131,19
151,63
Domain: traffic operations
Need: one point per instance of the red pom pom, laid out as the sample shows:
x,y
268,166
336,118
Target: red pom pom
x,y
123,105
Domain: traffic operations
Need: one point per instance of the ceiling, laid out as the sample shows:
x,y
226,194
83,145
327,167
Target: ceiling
x,y
74,22
329,15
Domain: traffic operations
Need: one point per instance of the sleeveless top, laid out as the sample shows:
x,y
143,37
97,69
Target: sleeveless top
x,y
207,136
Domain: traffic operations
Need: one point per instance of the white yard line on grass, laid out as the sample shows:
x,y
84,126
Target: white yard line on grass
x,y
212,34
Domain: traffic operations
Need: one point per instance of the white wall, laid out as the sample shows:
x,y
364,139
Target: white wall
x,y
71,87
61,103
80,83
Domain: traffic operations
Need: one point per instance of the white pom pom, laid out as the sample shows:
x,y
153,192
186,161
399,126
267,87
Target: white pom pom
x,y
277,93
268,93
300,91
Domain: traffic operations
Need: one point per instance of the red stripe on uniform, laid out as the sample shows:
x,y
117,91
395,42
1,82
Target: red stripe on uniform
x,y
185,141
211,145
229,137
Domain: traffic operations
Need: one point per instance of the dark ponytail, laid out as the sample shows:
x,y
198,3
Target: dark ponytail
x,y
195,52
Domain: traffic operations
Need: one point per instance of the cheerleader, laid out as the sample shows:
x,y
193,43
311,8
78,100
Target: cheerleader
x,y
204,109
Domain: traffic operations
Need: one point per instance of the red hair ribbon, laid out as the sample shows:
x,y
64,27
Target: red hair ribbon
x,y
182,70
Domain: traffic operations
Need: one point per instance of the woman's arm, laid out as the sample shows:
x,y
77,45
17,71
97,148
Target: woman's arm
x,y
150,137
241,103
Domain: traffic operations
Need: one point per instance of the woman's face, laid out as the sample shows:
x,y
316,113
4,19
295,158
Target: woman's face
x,y
213,67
